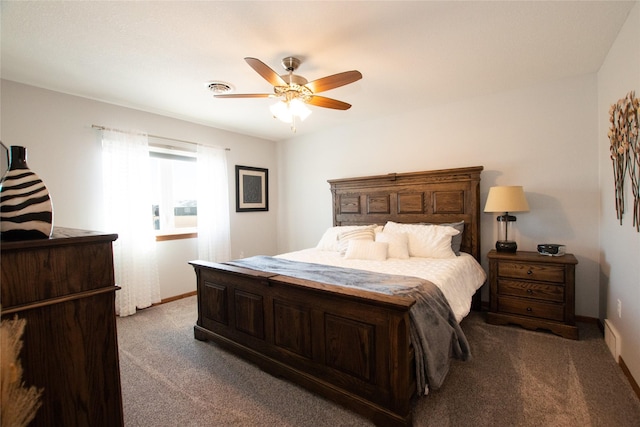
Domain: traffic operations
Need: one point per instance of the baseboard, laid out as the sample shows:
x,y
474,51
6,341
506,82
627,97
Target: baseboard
x,y
177,297
623,366
627,373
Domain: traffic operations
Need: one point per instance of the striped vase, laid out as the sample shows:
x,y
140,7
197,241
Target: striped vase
x,y
26,211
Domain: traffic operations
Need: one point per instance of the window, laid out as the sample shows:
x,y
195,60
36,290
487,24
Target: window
x,y
174,202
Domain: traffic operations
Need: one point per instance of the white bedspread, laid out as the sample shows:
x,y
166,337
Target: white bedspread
x,y
458,278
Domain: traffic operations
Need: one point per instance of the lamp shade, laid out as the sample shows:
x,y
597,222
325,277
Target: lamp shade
x,y
506,199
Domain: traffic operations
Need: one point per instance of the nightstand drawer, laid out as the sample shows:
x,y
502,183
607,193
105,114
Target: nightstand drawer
x,y
543,272
537,309
527,289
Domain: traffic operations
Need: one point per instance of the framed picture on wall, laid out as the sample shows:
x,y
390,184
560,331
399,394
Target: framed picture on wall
x,y
252,189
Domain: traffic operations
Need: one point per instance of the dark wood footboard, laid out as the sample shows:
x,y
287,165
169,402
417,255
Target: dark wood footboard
x,y
348,345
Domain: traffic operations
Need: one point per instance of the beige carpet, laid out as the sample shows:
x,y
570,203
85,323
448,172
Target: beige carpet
x,y
516,378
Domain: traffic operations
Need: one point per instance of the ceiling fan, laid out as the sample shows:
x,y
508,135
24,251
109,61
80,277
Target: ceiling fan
x,y
294,90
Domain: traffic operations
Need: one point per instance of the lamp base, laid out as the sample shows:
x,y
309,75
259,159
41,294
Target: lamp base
x,y
508,246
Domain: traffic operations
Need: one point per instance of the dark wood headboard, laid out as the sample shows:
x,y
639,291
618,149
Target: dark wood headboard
x,y
436,197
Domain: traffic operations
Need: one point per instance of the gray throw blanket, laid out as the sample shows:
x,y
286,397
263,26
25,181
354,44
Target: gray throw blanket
x,y
435,334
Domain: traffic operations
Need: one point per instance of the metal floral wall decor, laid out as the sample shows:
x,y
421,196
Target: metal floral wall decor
x,y
624,118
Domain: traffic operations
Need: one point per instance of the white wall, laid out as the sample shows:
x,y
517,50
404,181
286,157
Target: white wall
x,y
620,244
542,137
66,152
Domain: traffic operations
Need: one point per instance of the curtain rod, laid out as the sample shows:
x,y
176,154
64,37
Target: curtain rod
x,y
150,135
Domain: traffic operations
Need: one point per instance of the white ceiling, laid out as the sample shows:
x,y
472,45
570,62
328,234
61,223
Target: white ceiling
x,y
158,56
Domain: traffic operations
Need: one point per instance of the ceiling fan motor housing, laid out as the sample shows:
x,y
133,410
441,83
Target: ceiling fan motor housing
x,y
290,63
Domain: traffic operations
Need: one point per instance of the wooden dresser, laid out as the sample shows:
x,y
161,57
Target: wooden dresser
x,y
534,291
64,288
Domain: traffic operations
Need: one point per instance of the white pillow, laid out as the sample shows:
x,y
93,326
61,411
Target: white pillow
x,y
426,240
367,250
366,233
329,240
398,244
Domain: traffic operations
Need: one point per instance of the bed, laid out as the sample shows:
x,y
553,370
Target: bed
x,y
305,316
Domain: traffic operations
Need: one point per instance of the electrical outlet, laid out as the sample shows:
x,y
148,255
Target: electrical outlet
x,y
620,309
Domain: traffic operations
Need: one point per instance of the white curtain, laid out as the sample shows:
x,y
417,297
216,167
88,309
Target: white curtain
x,y
126,185
214,242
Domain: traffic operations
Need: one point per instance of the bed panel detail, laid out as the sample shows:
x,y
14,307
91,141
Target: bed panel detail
x,y
249,313
448,202
349,346
378,204
350,204
215,303
292,328
411,203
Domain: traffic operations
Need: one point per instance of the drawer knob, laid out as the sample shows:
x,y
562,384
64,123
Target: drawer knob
x,y
529,272
529,309
529,291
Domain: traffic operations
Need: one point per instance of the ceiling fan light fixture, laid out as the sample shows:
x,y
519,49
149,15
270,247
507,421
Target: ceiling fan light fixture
x,y
299,109
290,110
280,111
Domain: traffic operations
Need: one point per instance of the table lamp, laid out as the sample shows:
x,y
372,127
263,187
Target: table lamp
x,y
506,199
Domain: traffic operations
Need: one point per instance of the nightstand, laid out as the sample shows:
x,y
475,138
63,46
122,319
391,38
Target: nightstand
x,y
534,291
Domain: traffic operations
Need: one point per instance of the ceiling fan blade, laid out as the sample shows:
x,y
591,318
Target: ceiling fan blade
x,y
321,101
244,95
267,73
334,81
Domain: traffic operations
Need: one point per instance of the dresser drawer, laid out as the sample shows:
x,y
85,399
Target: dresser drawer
x,y
537,309
531,271
530,289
